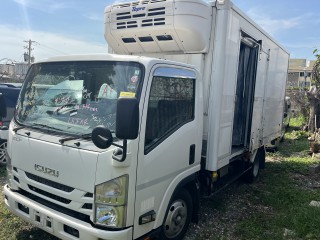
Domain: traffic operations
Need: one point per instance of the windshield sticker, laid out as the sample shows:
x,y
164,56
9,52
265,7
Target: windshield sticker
x,y
134,79
127,94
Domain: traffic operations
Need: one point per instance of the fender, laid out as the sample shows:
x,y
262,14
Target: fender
x,y
187,179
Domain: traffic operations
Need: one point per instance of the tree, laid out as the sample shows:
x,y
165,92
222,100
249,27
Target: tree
x,y
314,95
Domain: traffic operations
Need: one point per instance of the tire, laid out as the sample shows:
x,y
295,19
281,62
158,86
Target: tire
x,y
178,217
252,175
3,149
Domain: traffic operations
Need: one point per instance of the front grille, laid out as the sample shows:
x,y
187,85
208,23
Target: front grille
x,y
49,195
49,183
56,207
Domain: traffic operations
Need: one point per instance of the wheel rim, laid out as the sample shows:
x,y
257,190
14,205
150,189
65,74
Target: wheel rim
x,y
176,219
3,149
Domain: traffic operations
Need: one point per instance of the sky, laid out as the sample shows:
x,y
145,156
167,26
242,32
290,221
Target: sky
x,y
63,27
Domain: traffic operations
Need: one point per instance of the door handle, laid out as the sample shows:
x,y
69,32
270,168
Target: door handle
x,y
192,154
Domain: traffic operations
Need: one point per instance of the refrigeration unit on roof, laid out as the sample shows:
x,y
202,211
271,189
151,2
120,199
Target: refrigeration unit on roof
x,y
152,26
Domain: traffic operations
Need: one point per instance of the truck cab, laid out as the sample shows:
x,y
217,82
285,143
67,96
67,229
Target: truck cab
x,y
71,144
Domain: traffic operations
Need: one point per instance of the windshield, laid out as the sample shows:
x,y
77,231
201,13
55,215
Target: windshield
x,y
75,97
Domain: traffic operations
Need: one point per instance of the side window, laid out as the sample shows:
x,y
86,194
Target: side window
x,y
171,105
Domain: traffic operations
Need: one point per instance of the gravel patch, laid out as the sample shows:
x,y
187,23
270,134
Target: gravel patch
x,y
220,214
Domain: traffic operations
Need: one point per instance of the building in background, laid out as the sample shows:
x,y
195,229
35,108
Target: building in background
x,y
6,71
13,71
20,70
299,73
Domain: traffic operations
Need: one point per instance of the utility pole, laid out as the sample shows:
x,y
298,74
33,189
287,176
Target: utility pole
x,y
29,47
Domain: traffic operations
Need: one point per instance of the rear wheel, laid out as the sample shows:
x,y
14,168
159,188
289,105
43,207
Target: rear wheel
x,y
178,217
252,175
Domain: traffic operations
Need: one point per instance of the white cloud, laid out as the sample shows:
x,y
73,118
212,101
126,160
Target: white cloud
x,y
48,44
120,1
273,25
94,16
45,5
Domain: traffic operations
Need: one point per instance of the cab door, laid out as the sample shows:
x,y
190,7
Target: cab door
x,y
170,141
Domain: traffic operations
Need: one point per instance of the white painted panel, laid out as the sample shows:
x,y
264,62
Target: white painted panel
x,y
224,136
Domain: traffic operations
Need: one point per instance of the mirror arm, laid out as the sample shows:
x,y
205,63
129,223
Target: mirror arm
x,y
124,151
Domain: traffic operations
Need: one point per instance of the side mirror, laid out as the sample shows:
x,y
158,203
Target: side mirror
x,y
3,106
101,137
127,127
127,119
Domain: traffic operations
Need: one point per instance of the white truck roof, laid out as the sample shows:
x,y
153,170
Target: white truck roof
x,y
92,57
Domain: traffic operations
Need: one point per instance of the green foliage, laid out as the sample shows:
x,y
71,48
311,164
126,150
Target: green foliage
x,y
316,69
315,52
297,122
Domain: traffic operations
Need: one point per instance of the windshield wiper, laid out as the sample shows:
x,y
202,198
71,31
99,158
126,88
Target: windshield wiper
x,y
84,136
35,125
42,126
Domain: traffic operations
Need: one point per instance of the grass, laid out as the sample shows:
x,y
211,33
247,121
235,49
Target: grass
x,y
286,187
275,207
2,171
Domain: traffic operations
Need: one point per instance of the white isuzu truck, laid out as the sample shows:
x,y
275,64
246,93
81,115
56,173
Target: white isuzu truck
x,y
122,145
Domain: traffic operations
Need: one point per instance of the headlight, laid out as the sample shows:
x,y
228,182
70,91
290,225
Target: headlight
x,y
111,202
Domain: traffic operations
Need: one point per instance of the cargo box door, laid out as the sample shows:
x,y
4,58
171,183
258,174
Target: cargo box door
x,y
245,92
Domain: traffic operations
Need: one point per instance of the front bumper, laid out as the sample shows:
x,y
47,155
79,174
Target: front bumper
x,y
56,223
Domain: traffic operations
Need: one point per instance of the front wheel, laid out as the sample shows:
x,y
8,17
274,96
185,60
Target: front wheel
x,y
178,217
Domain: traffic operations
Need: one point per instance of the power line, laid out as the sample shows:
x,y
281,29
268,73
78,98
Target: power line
x,y
51,48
